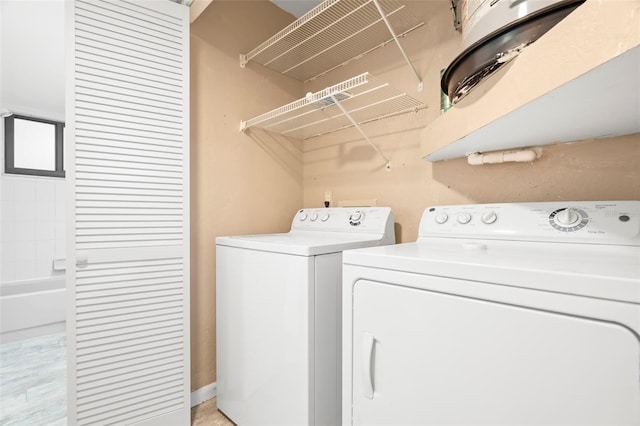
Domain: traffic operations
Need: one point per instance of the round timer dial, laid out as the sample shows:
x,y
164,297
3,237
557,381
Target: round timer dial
x,y
356,218
568,219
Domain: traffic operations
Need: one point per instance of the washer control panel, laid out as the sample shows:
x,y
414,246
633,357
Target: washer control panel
x,y
361,219
607,222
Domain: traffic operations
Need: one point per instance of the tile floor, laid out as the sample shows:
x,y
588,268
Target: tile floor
x,y
207,414
33,385
33,381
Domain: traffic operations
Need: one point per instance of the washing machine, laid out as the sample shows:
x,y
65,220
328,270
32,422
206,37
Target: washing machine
x,y
278,316
499,314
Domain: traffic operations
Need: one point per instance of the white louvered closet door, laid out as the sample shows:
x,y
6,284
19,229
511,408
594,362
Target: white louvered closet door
x,y
128,228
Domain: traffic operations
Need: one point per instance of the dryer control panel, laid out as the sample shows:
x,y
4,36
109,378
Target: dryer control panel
x,y
596,222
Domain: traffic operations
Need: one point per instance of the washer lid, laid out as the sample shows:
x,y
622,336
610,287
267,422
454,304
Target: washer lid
x,y
302,243
607,272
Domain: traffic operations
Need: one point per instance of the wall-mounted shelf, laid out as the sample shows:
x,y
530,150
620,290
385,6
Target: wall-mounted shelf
x,y
353,102
579,81
332,34
604,102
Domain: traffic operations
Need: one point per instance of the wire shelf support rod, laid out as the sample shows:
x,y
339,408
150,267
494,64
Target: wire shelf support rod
x,y
395,38
387,165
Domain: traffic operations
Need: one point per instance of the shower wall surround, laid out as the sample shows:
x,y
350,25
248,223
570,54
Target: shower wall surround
x,y
32,228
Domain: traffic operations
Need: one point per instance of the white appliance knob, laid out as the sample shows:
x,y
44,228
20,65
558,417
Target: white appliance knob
x,y
355,217
567,216
303,217
489,217
441,218
464,218
314,217
325,217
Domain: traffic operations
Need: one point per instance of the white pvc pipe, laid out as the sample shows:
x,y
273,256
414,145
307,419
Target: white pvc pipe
x,y
522,156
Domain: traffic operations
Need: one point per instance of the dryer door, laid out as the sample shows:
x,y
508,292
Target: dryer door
x,y
421,357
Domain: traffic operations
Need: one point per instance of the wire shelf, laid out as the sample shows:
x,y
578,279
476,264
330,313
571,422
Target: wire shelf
x,y
363,99
332,34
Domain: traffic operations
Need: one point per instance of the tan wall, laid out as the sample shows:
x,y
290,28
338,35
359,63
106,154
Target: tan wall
x,y
240,183
344,164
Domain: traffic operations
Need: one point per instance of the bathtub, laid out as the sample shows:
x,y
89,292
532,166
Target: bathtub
x,y
32,308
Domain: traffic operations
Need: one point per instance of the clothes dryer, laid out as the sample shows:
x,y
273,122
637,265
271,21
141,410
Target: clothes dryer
x,y
278,321
501,314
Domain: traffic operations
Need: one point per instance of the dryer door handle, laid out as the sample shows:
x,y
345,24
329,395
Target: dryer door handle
x,y
368,342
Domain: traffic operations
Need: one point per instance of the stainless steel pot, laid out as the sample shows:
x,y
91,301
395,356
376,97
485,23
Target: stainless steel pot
x,y
483,17
492,30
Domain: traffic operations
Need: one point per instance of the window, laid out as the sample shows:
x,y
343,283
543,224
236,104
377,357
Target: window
x,y
33,146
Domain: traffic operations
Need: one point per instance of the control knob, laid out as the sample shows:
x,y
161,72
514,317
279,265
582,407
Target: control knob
x,y
489,217
464,218
441,218
567,216
356,218
325,217
303,217
568,219
314,217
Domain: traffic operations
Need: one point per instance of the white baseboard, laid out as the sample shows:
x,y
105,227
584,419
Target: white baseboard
x,y
203,394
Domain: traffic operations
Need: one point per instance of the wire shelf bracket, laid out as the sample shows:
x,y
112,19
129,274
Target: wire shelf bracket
x,y
387,164
332,34
352,103
395,38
